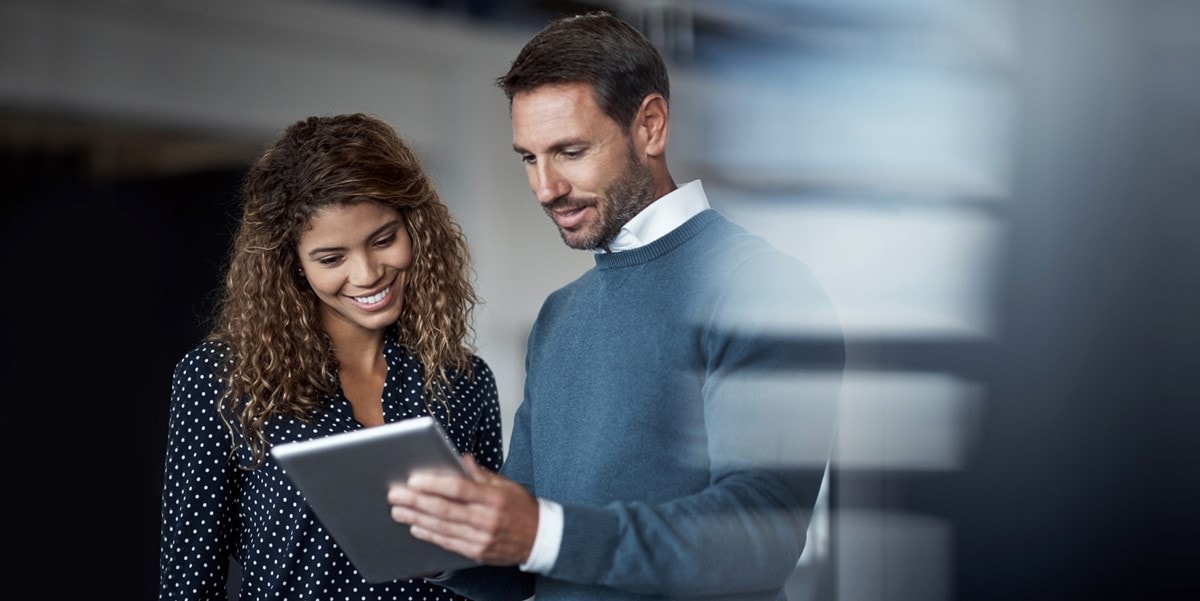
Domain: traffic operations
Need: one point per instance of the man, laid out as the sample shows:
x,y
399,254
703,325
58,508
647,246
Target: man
x,y
678,409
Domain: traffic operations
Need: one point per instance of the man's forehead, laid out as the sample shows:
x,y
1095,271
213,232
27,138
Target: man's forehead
x,y
554,114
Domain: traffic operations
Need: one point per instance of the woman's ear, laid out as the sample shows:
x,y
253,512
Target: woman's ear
x,y
651,126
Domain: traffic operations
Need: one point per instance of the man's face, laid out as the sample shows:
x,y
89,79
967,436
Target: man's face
x,y
582,167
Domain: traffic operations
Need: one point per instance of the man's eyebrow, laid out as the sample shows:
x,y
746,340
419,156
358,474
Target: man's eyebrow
x,y
555,147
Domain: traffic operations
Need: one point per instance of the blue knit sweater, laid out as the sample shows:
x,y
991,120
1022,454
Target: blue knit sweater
x,y
681,409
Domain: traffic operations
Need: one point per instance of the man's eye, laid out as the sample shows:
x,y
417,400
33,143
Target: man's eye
x,y
572,154
528,159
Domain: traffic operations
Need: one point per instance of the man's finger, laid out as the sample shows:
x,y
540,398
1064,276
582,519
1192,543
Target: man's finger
x,y
445,530
445,509
460,546
439,483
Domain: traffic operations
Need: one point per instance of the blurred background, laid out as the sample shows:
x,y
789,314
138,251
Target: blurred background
x,y
1002,197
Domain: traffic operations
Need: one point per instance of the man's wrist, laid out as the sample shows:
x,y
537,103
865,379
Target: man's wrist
x,y
548,539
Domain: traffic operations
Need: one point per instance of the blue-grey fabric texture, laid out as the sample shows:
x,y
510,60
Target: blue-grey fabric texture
x,y
680,403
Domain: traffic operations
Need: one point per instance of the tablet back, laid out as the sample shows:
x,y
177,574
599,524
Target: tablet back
x,y
345,478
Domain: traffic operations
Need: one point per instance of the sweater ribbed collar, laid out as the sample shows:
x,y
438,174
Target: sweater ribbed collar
x,y
660,247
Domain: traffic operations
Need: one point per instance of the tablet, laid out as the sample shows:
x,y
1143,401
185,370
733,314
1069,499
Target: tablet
x,y
345,478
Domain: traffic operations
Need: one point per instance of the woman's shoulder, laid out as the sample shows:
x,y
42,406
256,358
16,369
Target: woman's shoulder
x,y
476,382
198,381
481,371
209,356
478,363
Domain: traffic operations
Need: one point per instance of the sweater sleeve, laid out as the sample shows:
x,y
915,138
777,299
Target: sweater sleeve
x,y
774,358
197,507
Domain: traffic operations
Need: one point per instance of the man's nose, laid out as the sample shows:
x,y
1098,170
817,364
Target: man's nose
x,y
548,184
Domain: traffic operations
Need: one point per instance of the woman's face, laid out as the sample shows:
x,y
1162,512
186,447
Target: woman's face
x,y
356,258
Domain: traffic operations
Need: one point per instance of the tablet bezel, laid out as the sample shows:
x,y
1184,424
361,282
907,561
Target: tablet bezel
x,y
345,478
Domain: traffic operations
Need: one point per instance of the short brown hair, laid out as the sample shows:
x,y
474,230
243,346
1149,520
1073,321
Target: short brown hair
x,y
620,64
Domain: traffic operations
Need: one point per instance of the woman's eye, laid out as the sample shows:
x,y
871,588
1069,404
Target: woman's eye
x,y
327,261
385,241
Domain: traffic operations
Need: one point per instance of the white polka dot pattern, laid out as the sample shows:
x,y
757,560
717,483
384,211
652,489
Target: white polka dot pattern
x,y
214,512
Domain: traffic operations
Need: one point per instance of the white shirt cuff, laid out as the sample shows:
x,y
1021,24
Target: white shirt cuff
x,y
549,538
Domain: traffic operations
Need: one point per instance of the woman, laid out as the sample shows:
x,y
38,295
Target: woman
x,y
346,305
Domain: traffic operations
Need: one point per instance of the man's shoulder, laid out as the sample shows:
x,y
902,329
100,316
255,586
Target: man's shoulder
x,y
726,243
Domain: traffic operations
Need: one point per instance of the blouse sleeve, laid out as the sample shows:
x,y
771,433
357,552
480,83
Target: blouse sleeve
x,y
488,446
491,582
198,514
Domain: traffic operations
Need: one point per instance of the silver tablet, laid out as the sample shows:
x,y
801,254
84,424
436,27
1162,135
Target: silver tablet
x,y
345,478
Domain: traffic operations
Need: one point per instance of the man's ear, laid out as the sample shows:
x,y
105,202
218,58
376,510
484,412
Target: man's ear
x,y
651,126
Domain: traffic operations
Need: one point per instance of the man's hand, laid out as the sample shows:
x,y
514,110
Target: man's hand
x,y
486,517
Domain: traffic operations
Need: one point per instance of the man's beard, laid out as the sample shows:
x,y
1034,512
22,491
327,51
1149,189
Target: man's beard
x,y
631,192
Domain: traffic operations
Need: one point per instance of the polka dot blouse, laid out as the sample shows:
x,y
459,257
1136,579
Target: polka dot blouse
x,y
214,512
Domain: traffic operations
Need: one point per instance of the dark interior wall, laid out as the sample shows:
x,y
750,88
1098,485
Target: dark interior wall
x,y
1086,489
108,281
1084,484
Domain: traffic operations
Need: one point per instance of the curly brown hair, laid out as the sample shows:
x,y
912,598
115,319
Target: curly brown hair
x,y
280,359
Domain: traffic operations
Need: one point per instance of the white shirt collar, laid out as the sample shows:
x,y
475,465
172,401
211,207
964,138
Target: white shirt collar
x,y
660,217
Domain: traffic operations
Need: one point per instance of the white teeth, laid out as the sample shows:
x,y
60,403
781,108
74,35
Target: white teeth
x,y
374,298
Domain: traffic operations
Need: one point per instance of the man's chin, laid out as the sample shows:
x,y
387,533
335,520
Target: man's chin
x,y
578,240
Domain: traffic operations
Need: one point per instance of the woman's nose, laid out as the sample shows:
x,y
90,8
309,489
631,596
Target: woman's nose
x,y
364,271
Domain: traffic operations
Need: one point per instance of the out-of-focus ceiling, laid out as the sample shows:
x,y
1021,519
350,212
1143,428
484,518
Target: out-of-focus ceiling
x,y
695,32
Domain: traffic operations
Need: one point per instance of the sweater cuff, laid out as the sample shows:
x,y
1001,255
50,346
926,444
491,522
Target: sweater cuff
x,y
589,540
